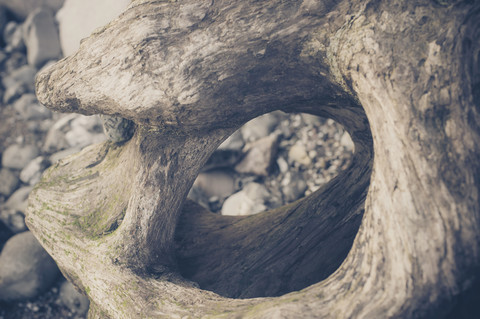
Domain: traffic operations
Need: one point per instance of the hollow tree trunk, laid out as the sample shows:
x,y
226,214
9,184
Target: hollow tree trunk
x,y
394,235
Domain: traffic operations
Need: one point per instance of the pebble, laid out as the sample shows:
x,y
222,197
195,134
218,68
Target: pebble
x,y
76,302
346,141
26,269
293,186
18,156
298,153
33,171
215,183
18,200
261,126
13,37
28,108
41,37
13,219
22,8
250,200
259,157
9,182
233,142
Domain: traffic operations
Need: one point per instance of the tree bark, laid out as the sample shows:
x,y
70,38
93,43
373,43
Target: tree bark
x,y
394,235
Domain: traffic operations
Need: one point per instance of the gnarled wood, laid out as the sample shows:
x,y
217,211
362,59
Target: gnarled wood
x,y
404,75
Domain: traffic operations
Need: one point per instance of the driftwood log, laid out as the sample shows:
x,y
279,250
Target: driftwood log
x,y
394,235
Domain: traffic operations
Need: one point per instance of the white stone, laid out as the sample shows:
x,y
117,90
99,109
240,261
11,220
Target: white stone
x,y
18,200
233,142
22,8
259,157
33,171
8,182
215,183
18,156
41,37
261,126
79,18
346,141
249,201
29,108
299,154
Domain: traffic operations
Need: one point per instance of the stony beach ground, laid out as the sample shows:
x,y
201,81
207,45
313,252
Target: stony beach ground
x,y
272,160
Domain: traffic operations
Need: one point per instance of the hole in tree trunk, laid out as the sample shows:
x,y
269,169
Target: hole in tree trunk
x,y
287,247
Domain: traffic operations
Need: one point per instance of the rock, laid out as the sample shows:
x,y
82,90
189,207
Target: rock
x,y
78,18
22,8
18,200
13,37
29,108
18,156
117,129
298,153
76,302
222,158
250,200
293,186
81,136
198,196
13,219
41,37
233,142
55,139
26,269
261,126
23,75
260,156
33,171
217,183
8,182
282,165
14,61
346,142
13,92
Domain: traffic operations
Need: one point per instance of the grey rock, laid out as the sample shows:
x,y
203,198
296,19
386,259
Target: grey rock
x,y
293,186
8,182
72,299
13,37
198,196
41,37
24,75
81,137
13,219
18,201
117,129
282,165
14,61
26,269
22,8
216,183
55,139
18,156
233,142
260,156
261,126
29,108
250,200
33,171
14,92
222,158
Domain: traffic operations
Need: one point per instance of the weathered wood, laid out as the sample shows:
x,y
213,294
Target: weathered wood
x,y
402,77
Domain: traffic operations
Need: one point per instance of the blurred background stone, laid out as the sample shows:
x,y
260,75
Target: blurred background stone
x,y
25,268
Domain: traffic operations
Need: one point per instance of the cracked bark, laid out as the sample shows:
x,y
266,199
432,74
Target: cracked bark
x,y
393,236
